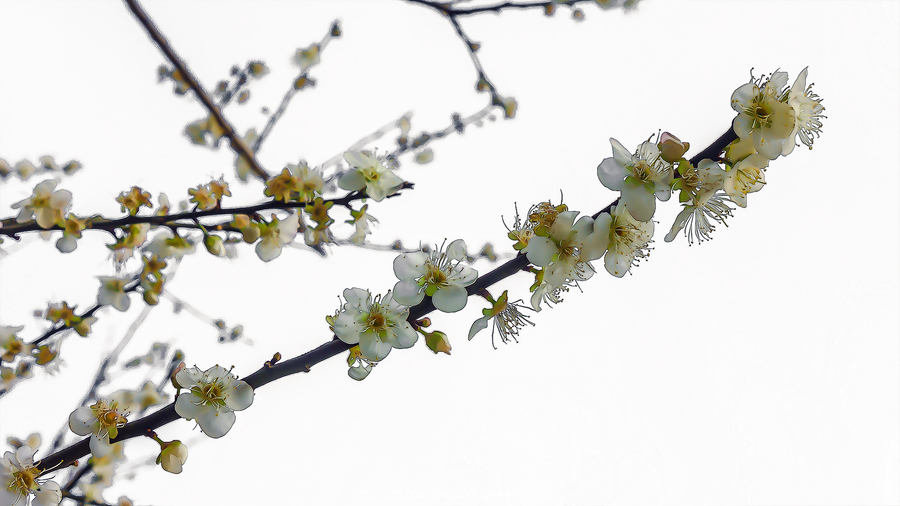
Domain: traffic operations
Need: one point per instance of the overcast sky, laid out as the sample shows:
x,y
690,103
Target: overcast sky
x,y
758,368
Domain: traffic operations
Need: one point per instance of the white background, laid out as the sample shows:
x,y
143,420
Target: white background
x,y
760,368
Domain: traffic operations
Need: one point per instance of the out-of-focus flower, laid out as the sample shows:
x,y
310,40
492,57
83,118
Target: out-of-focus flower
x,y
134,200
305,58
46,205
275,235
166,245
369,172
112,293
360,220
10,344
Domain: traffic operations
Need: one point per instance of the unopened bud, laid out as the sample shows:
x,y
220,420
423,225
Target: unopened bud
x,y
671,148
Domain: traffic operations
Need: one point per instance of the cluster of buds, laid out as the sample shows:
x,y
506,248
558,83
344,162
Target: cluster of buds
x,y
25,169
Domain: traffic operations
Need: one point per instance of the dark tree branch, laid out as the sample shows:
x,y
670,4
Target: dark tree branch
x,y
170,220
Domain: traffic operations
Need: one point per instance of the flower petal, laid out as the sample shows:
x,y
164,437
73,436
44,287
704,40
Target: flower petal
x,y
241,397
408,293
372,348
78,421
352,180
99,448
540,251
640,203
188,406
409,266
450,299
216,424
611,174
406,335
478,325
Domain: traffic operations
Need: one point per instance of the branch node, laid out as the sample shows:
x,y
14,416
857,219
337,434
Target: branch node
x,y
275,358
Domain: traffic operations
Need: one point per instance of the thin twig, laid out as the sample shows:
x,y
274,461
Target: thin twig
x,y
293,90
448,10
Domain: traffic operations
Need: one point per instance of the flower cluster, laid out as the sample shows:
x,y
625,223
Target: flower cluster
x,y
771,118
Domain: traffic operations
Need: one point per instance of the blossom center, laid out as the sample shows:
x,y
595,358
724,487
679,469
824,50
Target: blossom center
x,y
24,481
211,393
370,175
745,179
434,275
376,320
641,170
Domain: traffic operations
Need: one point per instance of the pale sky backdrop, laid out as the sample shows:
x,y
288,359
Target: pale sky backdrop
x,y
759,368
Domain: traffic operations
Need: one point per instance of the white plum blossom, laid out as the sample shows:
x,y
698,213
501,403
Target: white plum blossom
x,y
166,245
274,235
369,172
642,177
19,483
703,200
439,274
360,220
112,293
102,420
747,176
628,239
763,114
46,205
377,325
807,114
212,398
508,320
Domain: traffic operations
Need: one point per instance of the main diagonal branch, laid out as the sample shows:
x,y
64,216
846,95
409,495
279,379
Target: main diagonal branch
x,y
237,144
272,371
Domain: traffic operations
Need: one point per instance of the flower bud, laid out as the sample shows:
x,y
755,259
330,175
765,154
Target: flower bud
x,y
437,342
214,245
671,148
173,456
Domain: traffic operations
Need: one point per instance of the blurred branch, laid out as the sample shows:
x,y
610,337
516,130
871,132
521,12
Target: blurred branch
x,y
298,84
237,144
448,10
